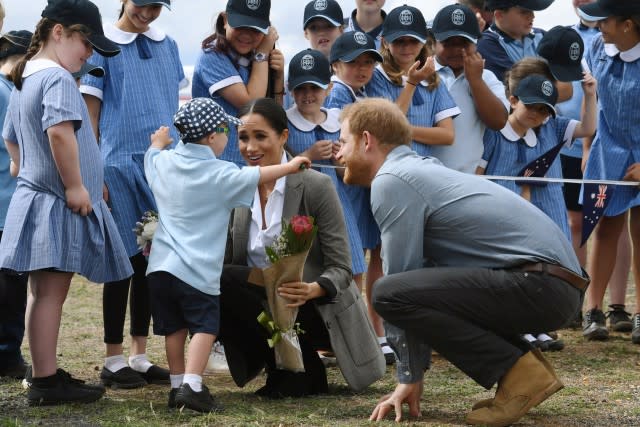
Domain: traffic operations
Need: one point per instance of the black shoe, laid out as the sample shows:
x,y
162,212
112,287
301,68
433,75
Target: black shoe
x,y
551,345
61,388
172,398
619,319
389,357
635,334
593,325
156,375
123,378
201,401
16,371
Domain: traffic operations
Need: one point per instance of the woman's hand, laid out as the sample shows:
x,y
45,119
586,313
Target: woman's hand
x,y
321,150
160,138
415,75
78,200
404,393
300,292
298,164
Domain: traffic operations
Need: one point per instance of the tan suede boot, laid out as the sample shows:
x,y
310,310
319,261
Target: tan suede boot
x,y
529,382
537,353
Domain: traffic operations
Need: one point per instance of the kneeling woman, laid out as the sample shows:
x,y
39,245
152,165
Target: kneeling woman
x,y
331,311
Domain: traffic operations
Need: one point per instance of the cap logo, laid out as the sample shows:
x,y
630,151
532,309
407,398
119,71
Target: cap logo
x,y
360,37
457,17
406,17
320,5
253,4
547,88
307,62
574,51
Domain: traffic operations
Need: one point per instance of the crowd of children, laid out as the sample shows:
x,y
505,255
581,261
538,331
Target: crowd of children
x,y
484,91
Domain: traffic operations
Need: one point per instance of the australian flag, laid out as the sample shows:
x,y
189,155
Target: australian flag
x,y
595,198
540,166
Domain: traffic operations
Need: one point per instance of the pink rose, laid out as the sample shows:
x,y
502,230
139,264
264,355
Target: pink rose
x,y
301,224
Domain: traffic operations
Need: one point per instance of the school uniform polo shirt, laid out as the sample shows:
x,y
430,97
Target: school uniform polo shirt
x,y
195,193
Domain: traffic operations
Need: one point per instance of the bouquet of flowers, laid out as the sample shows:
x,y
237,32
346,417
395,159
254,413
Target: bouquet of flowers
x,y
145,229
287,255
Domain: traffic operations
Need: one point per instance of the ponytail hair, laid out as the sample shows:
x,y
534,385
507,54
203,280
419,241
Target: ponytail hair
x,y
38,40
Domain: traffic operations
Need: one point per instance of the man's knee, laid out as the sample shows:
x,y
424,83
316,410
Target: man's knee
x,y
383,296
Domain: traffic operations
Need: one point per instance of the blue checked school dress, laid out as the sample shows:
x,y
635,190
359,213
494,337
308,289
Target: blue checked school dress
x,y
139,93
41,232
339,97
427,108
213,72
617,142
506,154
302,135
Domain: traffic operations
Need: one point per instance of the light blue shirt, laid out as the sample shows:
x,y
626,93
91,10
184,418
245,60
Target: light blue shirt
x,y
195,193
430,215
467,147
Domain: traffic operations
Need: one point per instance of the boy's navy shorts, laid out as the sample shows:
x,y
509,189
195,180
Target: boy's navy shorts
x,y
175,305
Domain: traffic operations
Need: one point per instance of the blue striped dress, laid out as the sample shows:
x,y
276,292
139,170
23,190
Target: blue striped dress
x,y
617,142
40,230
215,71
340,96
139,93
302,135
506,154
427,108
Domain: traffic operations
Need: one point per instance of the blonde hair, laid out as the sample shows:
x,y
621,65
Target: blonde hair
x,y
395,73
381,118
523,68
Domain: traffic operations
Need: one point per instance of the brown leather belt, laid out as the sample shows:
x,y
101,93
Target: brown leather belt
x,y
560,272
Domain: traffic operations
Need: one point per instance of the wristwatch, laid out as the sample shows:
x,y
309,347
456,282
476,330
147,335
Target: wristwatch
x,y
260,57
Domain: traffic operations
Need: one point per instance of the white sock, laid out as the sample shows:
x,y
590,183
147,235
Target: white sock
x,y
194,381
544,337
115,363
140,363
529,337
176,380
384,345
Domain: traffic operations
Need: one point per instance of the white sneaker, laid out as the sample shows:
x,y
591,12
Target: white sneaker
x,y
217,363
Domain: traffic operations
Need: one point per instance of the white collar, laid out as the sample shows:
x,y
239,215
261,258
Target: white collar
x,y
331,123
404,78
35,65
530,137
361,93
630,55
123,37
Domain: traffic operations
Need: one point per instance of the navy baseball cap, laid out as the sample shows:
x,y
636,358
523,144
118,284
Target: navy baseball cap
x,y
90,69
200,117
309,66
165,3
602,9
250,14
329,10
563,48
534,5
352,44
456,20
537,89
404,21
72,12
19,42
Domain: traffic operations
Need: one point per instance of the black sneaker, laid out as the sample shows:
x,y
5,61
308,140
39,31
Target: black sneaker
x,y
171,403
201,401
156,375
125,378
593,325
619,320
61,388
635,334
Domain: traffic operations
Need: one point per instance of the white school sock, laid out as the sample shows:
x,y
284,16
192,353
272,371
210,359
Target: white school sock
x,y
176,380
544,337
194,381
384,345
529,337
140,363
115,363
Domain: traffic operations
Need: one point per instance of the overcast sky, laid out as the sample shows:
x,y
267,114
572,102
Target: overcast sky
x,y
190,21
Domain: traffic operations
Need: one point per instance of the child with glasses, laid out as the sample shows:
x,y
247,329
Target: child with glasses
x,y
195,192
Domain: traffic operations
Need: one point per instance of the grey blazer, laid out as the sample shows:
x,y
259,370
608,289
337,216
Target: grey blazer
x,y
352,337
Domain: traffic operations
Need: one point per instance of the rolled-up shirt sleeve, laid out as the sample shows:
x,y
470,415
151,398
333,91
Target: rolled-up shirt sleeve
x,y
400,213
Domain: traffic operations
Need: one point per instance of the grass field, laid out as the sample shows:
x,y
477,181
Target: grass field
x,y
602,388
